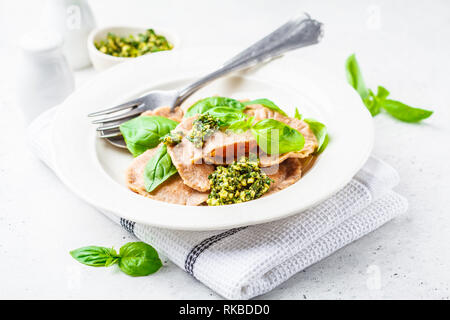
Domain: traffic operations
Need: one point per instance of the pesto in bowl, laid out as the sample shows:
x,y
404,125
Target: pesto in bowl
x,y
133,46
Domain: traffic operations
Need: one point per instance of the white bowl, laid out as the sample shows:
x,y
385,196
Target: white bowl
x,y
103,61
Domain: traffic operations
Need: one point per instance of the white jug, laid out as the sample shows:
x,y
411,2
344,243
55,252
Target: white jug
x,y
73,19
44,78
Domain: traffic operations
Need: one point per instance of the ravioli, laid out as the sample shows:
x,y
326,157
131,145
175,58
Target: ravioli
x,y
194,174
260,112
173,190
219,147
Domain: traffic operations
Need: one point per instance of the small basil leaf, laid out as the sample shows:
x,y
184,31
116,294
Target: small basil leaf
x,y
139,259
226,115
266,103
208,103
275,137
354,76
143,133
297,115
374,102
158,169
404,112
320,131
242,125
382,93
95,256
111,261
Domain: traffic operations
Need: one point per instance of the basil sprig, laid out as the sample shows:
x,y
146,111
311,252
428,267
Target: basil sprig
x,y
158,169
275,137
268,104
204,105
377,102
135,258
144,132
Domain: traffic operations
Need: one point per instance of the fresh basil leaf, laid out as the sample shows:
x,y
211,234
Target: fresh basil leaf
x,y
297,115
242,125
95,256
320,131
404,112
139,259
158,169
208,103
143,133
226,115
324,144
266,103
382,93
275,137
354,76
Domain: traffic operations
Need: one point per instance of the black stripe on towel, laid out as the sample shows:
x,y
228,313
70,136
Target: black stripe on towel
x,y
205,244
127,225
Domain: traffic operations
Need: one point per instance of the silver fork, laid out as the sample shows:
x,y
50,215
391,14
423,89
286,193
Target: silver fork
x,y
296,33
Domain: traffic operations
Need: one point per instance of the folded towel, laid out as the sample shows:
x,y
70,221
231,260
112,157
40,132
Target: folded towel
x,y
245,262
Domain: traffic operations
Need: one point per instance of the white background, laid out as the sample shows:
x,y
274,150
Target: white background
x,y
402,45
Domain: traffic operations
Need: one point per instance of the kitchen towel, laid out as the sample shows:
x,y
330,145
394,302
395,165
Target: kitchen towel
x,y
245,262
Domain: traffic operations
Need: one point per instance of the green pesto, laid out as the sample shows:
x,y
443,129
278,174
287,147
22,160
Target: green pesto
x,y
172,138
203,127
240,181
131,46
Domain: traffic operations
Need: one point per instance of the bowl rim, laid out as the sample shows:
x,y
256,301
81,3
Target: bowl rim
x,y
175,40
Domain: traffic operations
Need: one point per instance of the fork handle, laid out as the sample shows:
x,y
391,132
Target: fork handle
x,y
298,32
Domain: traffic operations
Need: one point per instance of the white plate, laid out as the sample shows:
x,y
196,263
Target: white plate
x,y
94,170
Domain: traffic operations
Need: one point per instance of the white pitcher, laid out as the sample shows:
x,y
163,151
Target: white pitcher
x,y
73,19
44,78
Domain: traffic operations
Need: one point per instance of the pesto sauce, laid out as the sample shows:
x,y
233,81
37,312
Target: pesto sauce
x,y
131,47
203,127
172,138
240,181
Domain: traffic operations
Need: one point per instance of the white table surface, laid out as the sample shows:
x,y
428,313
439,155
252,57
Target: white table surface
x,y
402,45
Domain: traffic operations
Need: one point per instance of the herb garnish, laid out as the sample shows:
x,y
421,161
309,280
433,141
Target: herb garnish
x,y
242,125
378,102
204,105
226,115
158,169
319,129
203,127
135,258
268,104
240,181
172,138
143,133
276,137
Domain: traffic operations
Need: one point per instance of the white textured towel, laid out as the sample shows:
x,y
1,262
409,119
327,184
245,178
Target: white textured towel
x,y
245,262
